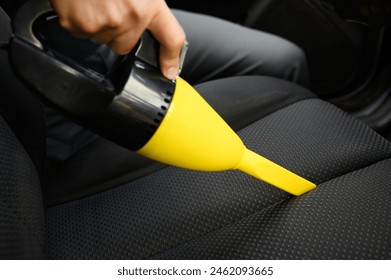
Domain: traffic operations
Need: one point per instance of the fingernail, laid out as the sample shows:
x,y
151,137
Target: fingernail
x,y
171,73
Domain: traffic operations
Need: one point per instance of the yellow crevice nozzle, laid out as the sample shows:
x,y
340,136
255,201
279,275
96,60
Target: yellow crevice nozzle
x,y
274,174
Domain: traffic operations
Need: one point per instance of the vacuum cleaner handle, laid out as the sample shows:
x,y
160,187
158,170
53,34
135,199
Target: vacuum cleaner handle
x,y
28,14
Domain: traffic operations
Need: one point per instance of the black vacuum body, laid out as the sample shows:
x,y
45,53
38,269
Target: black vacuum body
x,y
123,98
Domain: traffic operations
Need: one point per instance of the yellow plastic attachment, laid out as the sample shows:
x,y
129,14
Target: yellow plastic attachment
x,y
193,136
274,174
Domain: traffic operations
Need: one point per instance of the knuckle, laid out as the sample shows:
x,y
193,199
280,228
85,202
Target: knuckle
x,y
115,21
178,41
137,14
89,26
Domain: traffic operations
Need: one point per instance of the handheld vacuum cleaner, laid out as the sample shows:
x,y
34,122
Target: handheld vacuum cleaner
x,y
126,99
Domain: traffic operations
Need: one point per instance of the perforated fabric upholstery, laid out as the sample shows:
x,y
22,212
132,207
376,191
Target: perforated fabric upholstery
x,y
177,213
344,218
22,219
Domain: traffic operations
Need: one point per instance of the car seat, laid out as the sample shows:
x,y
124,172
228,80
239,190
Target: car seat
x,y
172,213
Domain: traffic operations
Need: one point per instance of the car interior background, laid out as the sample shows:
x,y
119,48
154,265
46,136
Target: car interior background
x,y
336,133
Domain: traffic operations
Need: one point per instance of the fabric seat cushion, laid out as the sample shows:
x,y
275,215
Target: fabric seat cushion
x,y
161,214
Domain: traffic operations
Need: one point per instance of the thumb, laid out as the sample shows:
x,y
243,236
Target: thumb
x,y
166,29
169,62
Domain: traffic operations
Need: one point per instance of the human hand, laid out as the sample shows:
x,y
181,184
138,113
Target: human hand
x,y
120,23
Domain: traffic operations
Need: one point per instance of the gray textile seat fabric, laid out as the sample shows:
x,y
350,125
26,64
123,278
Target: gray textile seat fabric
x,y
173,213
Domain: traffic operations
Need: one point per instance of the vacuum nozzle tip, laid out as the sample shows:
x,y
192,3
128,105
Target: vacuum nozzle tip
x,y
274,174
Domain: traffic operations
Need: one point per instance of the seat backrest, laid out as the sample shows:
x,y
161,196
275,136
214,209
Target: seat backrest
x,y
22,150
